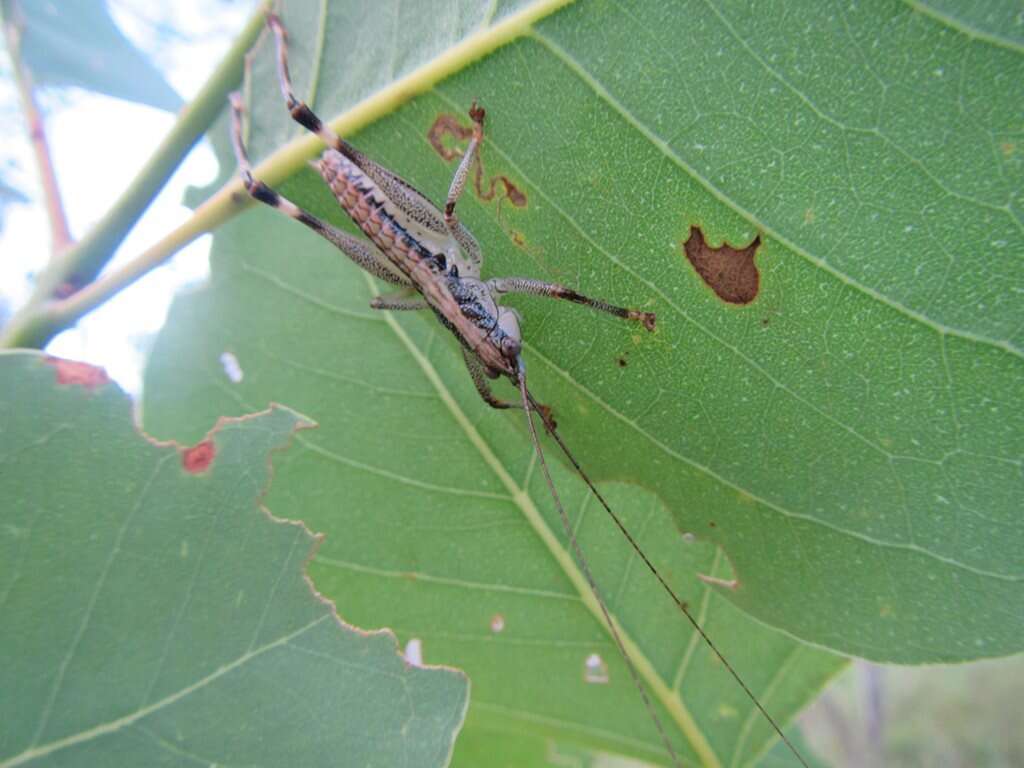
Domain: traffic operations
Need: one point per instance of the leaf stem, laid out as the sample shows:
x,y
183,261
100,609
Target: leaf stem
x,y
60,233
76,269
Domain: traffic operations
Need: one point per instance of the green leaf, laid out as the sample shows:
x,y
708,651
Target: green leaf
x,y
154,615
78,43
993,20
439,525
850,438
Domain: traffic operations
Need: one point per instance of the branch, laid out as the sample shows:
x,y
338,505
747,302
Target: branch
x,y
60,233
34,324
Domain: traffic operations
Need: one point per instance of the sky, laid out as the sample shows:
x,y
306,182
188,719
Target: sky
x,y
98,143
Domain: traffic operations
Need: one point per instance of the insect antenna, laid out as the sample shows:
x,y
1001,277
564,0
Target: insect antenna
x,y
531,405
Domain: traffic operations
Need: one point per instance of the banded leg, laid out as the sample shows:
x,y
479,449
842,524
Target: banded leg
x,y
405,300
500,285
479,374
300,111
360,251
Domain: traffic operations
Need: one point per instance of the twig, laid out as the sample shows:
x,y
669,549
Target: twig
x,y
60,233
76,269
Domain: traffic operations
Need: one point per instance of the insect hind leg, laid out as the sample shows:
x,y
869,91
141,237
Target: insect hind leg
x,y
500,285
361,252
299,110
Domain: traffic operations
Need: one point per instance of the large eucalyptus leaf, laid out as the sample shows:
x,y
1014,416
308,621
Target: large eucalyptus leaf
x,y
850,436
153,615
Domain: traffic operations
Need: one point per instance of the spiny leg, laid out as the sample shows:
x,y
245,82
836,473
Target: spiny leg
x,y
499,285
361,252
476,114
404,300
479,374
300,112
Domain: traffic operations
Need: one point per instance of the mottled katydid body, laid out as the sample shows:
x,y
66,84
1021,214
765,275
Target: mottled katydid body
x,y
428,252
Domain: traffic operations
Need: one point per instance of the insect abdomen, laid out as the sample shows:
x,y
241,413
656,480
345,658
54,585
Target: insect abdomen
x,y
363,202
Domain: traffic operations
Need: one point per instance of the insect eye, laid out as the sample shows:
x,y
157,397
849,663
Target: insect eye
x,y
510,346
454,271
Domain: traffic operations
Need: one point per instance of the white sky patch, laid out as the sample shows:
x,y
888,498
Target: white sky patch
x,y
232,368
98,144
414,652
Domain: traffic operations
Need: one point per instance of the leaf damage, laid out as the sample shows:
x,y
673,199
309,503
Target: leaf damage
x,y
199,457
447,129
72,373
730,272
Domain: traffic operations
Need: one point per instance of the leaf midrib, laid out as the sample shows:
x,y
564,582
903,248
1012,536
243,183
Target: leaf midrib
x,y
522,499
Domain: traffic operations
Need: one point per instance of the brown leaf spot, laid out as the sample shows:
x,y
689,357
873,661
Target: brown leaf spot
x,y
518,239
74,373
447,125
444,135
623,362
729,272
199,457
547,414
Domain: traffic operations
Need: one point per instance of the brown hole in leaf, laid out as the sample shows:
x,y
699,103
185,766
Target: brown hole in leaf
x,y
729,272
444,136
622,362
712,524
199,457
74,373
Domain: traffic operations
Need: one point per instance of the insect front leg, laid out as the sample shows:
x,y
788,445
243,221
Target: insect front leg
x,y
501,285
451,219
361,252
479,374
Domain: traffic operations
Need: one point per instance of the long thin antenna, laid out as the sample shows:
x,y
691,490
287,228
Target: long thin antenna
x,y
550,426
529,405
